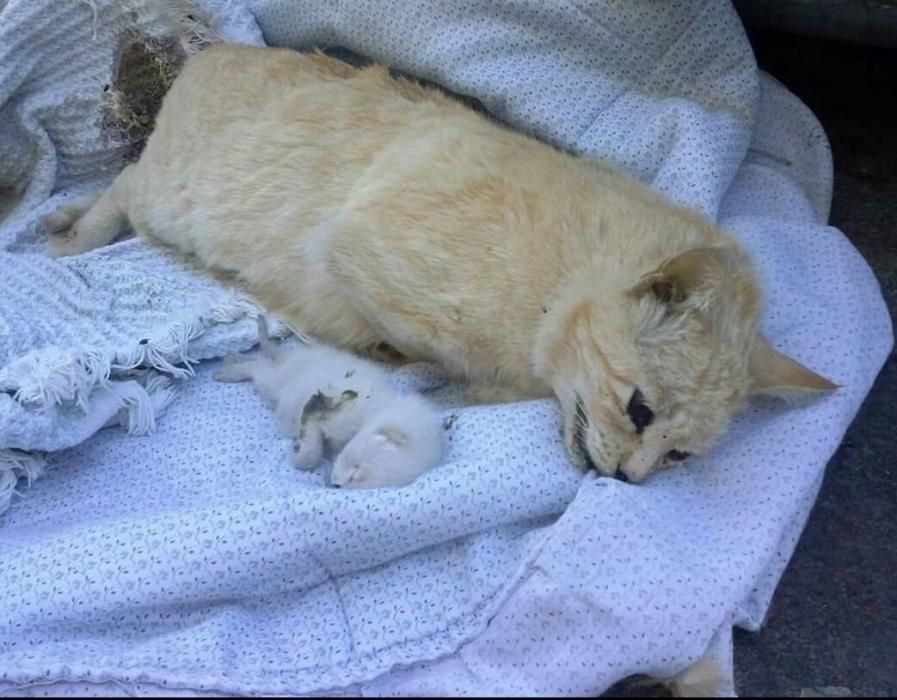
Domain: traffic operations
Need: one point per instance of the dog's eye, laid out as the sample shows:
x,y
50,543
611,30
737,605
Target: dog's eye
x,y
678,455
638,412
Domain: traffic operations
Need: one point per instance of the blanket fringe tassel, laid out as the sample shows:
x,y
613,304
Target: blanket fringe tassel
x,y
141,375
15,465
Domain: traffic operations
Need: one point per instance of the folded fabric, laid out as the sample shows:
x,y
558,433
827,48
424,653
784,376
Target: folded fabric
x,y
183,553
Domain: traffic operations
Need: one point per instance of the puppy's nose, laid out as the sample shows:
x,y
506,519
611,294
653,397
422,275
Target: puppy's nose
x,y
337,486
621,476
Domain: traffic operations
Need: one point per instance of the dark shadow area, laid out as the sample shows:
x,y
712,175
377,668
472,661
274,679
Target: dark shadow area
x,y
833,621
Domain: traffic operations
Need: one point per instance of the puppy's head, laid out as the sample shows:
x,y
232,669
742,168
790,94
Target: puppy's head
x,y
393,448
374,459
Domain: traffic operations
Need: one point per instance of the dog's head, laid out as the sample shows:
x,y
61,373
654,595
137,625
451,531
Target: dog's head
x,y
650,371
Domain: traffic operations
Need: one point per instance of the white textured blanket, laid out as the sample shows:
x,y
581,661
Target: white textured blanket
x,y
178,550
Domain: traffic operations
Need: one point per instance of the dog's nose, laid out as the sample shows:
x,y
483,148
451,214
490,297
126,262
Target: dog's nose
x,y
621,476
337,486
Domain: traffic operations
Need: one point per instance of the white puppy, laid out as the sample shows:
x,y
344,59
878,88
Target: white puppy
x,y
328,398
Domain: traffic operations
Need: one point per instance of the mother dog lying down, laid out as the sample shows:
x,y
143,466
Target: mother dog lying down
x,y
366,209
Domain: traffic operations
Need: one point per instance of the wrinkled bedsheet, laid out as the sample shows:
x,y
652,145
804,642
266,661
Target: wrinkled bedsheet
x,y
168,545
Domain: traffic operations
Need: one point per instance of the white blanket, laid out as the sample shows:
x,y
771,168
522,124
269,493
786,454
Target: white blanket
x,y
182,552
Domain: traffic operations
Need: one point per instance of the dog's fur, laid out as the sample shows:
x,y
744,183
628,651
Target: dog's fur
x,y
367,209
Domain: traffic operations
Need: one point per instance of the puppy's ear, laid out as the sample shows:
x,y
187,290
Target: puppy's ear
x,y
392,434
318,403
776,374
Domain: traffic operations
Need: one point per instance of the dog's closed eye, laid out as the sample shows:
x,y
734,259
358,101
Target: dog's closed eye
x,y
639,412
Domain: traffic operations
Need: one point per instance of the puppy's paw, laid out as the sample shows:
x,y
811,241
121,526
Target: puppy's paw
x,y
234,368
232,372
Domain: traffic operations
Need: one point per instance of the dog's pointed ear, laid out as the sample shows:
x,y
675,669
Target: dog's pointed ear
x,y
776,374
681,277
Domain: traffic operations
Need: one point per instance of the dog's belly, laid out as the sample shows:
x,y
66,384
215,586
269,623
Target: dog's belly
x,y
360,215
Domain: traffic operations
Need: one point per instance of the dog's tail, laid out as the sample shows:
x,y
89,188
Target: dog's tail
x,y
267,345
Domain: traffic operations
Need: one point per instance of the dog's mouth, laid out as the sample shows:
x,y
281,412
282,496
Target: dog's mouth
x,y
579,434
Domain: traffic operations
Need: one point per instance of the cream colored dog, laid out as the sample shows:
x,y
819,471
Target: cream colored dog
x,y
366,209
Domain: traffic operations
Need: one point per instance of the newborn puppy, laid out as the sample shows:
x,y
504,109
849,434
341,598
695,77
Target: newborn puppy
x,y
305,384
401,440
328,398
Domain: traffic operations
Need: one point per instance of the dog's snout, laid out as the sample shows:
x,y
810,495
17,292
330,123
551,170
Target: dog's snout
x,y
621,476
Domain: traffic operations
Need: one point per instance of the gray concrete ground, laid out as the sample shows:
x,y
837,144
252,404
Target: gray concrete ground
x,y
832,627
833,621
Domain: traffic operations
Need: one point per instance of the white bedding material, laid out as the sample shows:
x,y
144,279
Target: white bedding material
x,y
190,555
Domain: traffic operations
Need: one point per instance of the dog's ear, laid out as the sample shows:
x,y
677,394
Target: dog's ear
x,y
391,434
775,374
680,279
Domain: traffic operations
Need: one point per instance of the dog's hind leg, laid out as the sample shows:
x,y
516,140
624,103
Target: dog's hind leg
x,y
91,221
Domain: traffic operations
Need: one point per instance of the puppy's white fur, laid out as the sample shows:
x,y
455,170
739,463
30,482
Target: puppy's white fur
x,y
291,376
400,441
324,397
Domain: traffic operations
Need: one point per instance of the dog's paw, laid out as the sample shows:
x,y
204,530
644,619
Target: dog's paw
x,y
63,245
